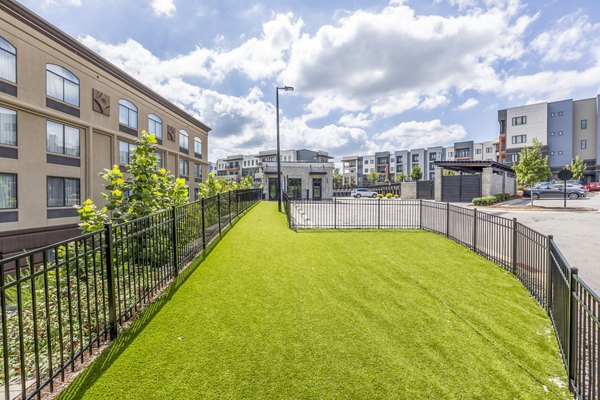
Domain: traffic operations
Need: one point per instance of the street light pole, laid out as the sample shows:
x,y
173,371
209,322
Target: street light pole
x,y
279,191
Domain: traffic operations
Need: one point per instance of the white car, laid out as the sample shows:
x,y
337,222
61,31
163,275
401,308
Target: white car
x,y
362,192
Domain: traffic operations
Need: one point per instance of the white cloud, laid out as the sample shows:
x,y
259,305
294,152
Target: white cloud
x,y
468,104
417,134
394,60
570,37
164,7
360,120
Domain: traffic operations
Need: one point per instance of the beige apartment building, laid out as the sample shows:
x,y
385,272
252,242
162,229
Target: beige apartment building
x,y
65,115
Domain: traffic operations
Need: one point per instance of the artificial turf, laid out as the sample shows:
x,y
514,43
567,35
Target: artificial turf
x,y
277,314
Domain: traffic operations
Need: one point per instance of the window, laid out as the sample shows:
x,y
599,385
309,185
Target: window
x,y
8,127
519,139
432,156
196,194
489,150
8,61
161,162
62,139
514,158
399,159
61,84
155,126
183,140
477,151
184,168
450,154
126,149
519,120
128,114
584,124
366,170
8,191
197,171
415,158
63,192
462,153
583,144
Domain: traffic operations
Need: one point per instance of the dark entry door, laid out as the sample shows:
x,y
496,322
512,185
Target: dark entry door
x,y
294,188
272,189
317,189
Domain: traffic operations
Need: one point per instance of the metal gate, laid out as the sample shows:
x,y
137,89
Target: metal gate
x,y
461,188
425,190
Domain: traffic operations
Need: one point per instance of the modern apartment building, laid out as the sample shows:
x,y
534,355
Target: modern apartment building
x,y
566,129
390,163
65,115
238,166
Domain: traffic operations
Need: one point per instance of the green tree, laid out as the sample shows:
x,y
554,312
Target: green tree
x,y
372,176
577,167
416,174
337,177
532,166
141,192
400,177
246,182
211,187
447,172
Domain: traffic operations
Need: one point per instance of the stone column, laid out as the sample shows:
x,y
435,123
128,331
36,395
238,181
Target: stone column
x,y
437,185
486,181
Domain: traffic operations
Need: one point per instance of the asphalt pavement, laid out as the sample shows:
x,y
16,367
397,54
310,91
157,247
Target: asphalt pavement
x,y
576,232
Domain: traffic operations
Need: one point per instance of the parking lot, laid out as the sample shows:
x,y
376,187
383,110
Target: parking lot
x,y
576,232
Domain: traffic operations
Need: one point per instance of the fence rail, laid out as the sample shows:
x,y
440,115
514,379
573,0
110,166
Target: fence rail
x,y
533,258
59,302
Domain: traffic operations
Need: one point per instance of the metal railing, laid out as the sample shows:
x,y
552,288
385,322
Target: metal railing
x,y
533,258
60,302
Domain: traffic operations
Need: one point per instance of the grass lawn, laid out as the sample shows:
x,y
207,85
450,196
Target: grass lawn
x,y
275,314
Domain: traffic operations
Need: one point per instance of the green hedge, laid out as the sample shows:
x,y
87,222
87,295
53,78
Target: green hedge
x,y
489,200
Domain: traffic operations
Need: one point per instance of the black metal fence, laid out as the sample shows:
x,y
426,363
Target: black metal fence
x,y
59,302
533,258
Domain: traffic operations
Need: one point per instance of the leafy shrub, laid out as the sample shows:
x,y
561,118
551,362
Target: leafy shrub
x,y
489,200
389,195
396,196
379,196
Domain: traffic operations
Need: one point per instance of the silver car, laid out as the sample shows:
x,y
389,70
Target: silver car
x,y
362,192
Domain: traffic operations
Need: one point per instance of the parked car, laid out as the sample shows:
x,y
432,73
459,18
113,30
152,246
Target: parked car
x,y
593,186
362,192
549,191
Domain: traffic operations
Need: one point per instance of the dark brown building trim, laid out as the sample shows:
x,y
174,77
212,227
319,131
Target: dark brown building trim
x,y
128,130
62,107
9,152
9,216
8,88
61,160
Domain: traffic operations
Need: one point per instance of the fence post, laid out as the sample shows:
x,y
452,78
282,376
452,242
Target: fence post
x,y
572,357
229,192
334,214
475,230
549,240
219,210
203,225
378,212
447,219
110,281
420,213
237,204
514,247
174,240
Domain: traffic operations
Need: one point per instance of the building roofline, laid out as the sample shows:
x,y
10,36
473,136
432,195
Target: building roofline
x,y
36,22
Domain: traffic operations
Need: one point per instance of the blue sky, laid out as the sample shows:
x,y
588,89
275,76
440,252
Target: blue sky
x,y
369,75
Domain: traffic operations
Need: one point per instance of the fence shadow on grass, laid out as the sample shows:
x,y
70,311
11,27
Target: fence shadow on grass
x,y
88,377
